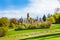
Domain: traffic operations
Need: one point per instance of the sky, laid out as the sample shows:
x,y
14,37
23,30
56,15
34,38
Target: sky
x,y
18,8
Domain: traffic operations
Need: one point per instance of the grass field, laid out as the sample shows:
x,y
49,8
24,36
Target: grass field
x,y
51,37
55,26
14,35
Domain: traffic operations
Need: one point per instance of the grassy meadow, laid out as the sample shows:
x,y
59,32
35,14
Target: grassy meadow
x,y
17,35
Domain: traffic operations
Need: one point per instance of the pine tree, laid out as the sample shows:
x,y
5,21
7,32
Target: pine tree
x,y
44,18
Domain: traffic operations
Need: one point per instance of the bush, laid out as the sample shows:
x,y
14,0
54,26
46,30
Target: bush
x,y
34,25
46,24
26,25
22,26
43,25
38,24
2,32
12,25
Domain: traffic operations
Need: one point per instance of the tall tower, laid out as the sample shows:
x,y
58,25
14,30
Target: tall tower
x,y
28,16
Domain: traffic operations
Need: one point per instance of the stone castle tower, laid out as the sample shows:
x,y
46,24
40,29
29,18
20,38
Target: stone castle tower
x,y
28,18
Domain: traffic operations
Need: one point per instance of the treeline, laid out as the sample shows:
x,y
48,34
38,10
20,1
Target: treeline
x,y
55,18
6,23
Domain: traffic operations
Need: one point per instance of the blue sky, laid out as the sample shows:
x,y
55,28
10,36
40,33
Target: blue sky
x,y
4,4
18,8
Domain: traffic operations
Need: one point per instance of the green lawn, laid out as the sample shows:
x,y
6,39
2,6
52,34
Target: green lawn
x,y
14,35
12,32
54,37
55,26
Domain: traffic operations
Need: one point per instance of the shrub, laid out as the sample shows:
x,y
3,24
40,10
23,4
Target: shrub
x,y
32,26
46,24
22,26
26,25
2,32
38,24
43,25
12,25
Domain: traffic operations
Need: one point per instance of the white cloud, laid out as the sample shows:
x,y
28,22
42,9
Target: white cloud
x,y
43,6
35,8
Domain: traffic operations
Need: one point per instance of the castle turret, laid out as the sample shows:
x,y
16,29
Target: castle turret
x,y
28,18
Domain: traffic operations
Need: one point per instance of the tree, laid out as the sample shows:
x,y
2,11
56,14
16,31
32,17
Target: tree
x,y
51,19
2,32
44,18
56,16
59,19
4,22
14,20
49,15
